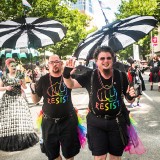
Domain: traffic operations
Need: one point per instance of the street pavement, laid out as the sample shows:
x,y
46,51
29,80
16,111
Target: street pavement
x,y
147,117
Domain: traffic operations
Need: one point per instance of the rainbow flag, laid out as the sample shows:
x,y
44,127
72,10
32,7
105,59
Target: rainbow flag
x,y
25,3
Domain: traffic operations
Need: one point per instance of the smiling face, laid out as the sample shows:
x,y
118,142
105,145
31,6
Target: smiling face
x,y
104,61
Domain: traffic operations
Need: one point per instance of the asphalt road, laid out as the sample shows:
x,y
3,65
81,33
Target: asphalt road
x,y
148,127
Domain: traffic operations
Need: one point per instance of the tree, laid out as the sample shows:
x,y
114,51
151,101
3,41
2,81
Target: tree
x,y
73,20
138,7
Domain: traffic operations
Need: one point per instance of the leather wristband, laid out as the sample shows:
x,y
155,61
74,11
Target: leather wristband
x,y
33,92
129,97
66,72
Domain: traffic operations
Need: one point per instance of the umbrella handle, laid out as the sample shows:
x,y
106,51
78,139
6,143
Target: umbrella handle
x,y
33,77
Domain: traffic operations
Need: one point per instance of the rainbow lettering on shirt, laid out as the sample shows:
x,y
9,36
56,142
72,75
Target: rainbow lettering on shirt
x,y
107,99
57,94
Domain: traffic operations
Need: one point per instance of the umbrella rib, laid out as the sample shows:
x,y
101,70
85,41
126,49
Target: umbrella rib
x,y
53,35
11,41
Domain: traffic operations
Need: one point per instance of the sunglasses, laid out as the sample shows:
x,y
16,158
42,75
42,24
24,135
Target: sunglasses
x,y
103,58
54,62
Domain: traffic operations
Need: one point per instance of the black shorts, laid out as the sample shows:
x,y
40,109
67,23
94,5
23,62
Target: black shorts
x,y
104,136
61,133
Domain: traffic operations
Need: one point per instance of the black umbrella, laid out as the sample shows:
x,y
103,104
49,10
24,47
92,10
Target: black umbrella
x,y
30,32
117,35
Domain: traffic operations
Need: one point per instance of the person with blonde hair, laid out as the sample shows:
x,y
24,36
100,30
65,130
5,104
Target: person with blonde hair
x,y
16,132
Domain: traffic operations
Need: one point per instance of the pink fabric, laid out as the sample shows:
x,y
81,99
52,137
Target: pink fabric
x,y
9,60
135,145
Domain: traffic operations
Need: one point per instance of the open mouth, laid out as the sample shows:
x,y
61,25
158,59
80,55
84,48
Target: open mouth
x,y
106,65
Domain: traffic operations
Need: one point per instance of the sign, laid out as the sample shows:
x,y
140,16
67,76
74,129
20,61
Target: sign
x,y
155,41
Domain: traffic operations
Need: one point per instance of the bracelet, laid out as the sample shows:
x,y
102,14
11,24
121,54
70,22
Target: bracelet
x,y
33,92
66,72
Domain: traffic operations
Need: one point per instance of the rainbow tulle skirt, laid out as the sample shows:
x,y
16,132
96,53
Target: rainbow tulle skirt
x,y
81,129
134,145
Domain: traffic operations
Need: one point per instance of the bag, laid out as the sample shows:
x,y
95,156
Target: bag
x,y
123,133
125,113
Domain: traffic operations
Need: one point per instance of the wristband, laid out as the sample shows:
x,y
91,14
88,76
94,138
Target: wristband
x,y
66,72
33,92
129,97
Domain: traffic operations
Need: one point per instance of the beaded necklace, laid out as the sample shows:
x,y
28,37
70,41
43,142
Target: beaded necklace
x,y
107,87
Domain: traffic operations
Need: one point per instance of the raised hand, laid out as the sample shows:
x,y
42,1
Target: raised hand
x,y
71,62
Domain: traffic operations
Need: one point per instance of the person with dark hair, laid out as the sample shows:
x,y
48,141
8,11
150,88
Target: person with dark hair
x,y
16,132
106,120
135,79
154,76
59,119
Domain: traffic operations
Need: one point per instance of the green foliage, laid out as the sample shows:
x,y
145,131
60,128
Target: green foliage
x,y
138,7
73,20
74,1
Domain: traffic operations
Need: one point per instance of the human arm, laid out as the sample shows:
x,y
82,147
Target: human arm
x,y
34,96
128,90
68,80
23,83
130,94
4,88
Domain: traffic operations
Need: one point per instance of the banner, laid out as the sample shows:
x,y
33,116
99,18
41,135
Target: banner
x,y
135,52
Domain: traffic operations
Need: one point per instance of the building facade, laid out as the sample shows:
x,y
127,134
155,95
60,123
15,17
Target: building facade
x,y
85,6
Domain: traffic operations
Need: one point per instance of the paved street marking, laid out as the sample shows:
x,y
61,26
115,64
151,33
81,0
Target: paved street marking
x,y
147,96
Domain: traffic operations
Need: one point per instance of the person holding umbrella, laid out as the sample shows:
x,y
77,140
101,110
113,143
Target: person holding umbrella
x,y
106,125
59,119
16,132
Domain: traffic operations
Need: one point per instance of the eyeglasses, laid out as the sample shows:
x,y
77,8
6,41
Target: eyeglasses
x,y
54,62
103,58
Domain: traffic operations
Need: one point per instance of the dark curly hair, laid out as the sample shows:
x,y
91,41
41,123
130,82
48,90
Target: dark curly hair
x,y
100,49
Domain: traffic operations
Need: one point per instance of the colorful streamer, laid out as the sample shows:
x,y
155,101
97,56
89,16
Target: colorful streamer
x,y
134,145
39,120
81,129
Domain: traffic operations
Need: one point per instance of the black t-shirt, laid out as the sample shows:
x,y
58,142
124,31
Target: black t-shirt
x,y
104,101
56,97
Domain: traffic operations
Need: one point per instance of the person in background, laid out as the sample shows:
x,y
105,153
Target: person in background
x,y
17,132
135,79
59,121
104,86
43,70
154,76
